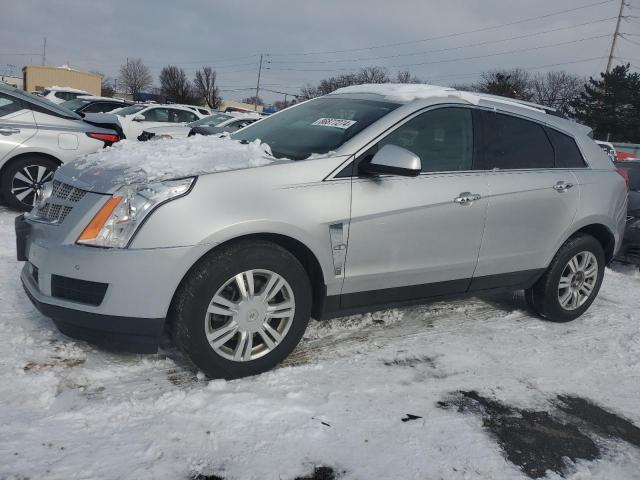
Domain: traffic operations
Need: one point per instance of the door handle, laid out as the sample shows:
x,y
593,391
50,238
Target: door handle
x,y
8,131
562,186
466,198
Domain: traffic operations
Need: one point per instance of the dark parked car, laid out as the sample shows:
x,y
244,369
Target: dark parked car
x,y
89,104
630,250
228,127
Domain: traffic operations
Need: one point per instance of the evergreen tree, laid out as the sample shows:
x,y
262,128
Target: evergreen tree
x,y
611,105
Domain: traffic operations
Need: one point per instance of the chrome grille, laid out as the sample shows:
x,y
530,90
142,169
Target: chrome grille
x,y
63,191
60,203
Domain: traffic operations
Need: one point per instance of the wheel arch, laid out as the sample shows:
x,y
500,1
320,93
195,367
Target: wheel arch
x,y
298,249
603,234
20,156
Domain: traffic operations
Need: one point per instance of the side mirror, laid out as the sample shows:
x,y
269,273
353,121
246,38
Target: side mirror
x,y
139,118
393,160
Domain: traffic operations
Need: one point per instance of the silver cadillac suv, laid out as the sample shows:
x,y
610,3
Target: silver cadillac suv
x,y
370,197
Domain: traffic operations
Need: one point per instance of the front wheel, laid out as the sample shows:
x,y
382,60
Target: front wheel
x,y
242,309
23,179
572,281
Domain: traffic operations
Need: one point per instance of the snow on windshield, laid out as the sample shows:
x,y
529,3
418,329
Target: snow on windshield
x,y
135,162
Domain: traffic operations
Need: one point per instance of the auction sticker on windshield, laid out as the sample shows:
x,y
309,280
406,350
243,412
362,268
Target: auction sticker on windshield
x,y
334,122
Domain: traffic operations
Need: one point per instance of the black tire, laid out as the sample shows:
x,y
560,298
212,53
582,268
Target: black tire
x,y
189,308
543,297
13,187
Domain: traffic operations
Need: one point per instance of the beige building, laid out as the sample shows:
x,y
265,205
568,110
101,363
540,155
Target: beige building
x,y
231,105
37,78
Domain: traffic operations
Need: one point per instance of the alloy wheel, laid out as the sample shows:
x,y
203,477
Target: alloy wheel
x,y
578,280
249,316
28,181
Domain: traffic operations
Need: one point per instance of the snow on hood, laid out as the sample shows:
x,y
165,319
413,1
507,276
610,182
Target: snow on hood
x,y
130,161
407,92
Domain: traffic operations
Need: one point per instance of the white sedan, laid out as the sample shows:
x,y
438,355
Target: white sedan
x,y
232,121
131,121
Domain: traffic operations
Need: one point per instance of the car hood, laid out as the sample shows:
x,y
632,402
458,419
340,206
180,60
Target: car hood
x,y
133,162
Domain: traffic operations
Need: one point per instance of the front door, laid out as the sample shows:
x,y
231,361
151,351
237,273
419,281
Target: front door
x,y
417,237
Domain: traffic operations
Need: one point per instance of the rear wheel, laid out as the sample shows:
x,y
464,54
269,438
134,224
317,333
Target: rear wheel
x,y
242,309
23,178
572,281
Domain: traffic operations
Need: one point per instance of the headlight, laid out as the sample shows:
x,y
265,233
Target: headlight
x,y
43,194
119,218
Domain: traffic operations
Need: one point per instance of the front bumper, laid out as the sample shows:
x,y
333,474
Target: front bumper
x,y
139,284
126,334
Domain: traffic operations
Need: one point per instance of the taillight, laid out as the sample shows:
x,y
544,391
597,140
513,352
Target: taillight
x,y
107,138
624,174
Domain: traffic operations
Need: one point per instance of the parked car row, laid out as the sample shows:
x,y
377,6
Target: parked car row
x,y
36,137
216,123
370,197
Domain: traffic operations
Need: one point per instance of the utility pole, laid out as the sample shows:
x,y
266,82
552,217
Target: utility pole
x,y
255,100
44,51
616,34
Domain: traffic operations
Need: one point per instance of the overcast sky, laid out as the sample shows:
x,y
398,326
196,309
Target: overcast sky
x,y
230,35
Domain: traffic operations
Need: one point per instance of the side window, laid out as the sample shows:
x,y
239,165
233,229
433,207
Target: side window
x,y
157,115
9,105
178,116
567,153
442,138
515,143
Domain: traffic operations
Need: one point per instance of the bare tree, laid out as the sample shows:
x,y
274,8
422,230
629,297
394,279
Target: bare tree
x,y
135,76
107,88
205,87
253,101
175,85
405,76
557,89
513,83
328,85
373,75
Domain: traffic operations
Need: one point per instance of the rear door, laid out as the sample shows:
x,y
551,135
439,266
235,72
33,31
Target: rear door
x,y
414,237
533,198
17,124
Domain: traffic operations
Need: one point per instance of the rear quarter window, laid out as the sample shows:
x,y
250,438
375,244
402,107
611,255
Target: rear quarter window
x,y
566,151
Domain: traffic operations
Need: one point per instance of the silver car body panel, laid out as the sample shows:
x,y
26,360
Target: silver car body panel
x,y
367,234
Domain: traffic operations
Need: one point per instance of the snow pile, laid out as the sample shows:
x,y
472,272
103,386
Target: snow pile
x,y
403,92
134,162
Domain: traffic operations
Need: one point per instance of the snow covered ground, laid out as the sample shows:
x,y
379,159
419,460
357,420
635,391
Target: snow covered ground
x,y
71,411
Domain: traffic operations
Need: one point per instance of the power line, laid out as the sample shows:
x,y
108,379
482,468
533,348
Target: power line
x,y
450,35
538,67
439,50
434,62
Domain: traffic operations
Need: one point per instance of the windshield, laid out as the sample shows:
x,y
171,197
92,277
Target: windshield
x,y
210,121
317,126
123,112
74,104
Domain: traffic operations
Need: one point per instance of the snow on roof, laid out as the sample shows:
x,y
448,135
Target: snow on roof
x,y
94,97
407,92
136,162
67,89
